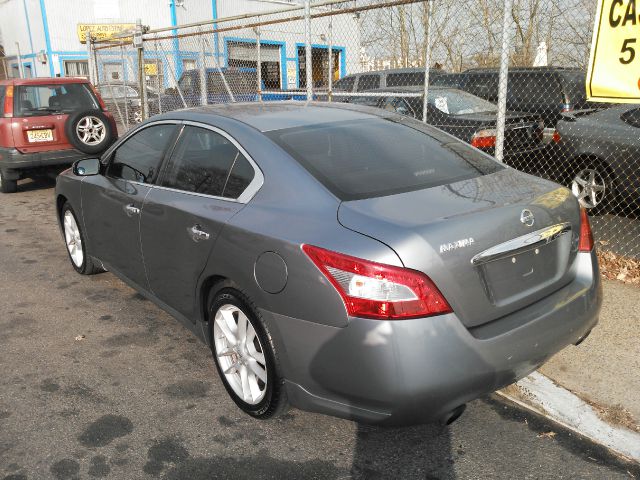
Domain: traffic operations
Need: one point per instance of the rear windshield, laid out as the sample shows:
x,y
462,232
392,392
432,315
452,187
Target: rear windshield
x,y
378,157
457,102
34,100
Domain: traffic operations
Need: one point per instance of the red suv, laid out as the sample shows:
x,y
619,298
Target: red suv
x,y
48,123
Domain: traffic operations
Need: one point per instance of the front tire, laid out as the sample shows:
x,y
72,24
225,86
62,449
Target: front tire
x,y
245,356
74,240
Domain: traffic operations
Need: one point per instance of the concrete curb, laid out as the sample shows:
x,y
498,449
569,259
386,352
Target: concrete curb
x,y
540,394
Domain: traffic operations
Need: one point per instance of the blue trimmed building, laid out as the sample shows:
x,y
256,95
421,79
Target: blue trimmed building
x,y
44,33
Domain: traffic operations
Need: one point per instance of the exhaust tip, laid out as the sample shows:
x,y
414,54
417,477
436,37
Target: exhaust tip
x,y
583,338
454,414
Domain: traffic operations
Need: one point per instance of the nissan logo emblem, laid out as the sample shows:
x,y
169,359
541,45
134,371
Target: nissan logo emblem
x,y
527,217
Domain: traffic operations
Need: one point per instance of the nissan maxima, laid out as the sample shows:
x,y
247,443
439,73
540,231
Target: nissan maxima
x,y
338,258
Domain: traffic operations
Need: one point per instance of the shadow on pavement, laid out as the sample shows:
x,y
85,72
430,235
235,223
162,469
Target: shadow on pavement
x,y
420,452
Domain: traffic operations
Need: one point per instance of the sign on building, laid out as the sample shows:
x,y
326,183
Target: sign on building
x,y
104,31
614,64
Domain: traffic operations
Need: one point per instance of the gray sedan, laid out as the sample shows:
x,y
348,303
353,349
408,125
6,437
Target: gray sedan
x,y
337,258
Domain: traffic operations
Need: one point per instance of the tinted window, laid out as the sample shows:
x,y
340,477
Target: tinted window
x,y
368,82
534,88
575,88
376,157
241,176
139,157
2,93
632,117
344,84
238,81
405,79
34,100
201,163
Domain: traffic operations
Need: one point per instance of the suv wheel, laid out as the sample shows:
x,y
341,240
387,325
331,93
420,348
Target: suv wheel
x,y
89,131
6,185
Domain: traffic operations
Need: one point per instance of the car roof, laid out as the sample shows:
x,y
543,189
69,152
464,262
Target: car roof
x,y
44,81
270,116
547,69
410,89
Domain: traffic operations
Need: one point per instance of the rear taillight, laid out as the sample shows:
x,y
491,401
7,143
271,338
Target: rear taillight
x,y
484,138
556,137
586,237
8,102
375,290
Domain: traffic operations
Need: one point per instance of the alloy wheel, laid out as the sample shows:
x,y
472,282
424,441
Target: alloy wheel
x,y
73,239
240,354
91,130
590,187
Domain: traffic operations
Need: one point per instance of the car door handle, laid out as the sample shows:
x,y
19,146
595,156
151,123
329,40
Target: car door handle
x,y
197,234
131,210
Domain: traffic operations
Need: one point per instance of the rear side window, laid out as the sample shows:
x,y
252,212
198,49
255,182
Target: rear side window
x,y
575,89
377,157
3,90
34,100
139,157
405,79
368,82
203,162
535,88
345,84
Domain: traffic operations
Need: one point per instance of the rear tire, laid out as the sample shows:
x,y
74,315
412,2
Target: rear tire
x,y
239,352
7,186
75,242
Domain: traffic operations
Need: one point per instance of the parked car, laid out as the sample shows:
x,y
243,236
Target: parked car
x,y
241,82
465,116
598,156
48,123
342,259
544,91
122,100
397,77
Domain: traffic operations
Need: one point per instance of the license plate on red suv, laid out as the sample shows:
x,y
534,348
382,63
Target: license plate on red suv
x,y
40,135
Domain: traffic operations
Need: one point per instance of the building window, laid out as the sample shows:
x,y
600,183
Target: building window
x,y
188,64
76,68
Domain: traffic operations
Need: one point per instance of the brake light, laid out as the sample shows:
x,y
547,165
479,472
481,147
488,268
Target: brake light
x,y
103,107
586,237
484,138
556,137
375,290
8,102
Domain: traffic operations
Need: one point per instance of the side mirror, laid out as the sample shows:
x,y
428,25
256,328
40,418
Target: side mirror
x,y
86,167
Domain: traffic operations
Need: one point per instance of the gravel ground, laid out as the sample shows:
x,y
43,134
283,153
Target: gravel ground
x,y
99,383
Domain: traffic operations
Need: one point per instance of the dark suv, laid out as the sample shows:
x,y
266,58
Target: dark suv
x,y
397,77
545,91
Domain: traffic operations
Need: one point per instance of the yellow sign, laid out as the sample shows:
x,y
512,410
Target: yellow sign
x,y
614,64
105,31
150,69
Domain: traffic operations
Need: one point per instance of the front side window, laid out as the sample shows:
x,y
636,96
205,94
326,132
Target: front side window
x,y
139,157
368,82
344,84
378,157
206,162
34,100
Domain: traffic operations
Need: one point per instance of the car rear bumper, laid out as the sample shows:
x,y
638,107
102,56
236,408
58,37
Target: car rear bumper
x,y
12,161
417,371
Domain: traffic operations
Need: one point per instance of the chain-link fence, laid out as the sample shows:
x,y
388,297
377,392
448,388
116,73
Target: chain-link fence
x,y
507,76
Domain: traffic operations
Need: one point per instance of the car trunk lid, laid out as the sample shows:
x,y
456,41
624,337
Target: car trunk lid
x,y
468,237
40,133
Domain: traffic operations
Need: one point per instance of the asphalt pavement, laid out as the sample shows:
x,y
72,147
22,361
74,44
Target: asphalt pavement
x,y
96,382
